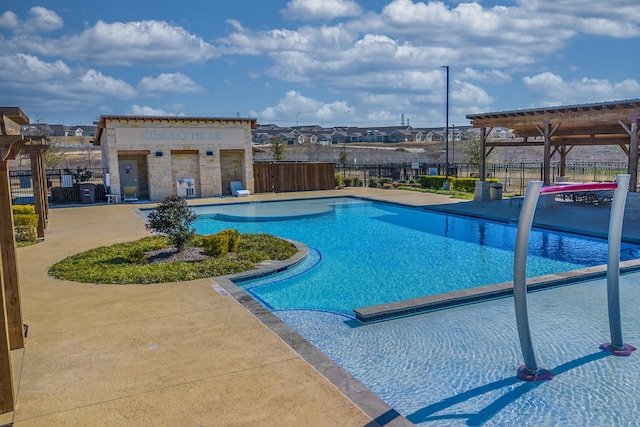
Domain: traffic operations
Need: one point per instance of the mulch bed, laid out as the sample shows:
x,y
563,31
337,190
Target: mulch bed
x,y
189,254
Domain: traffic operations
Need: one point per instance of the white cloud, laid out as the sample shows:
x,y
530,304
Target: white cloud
x,y
615,18
40,20
169,82
38,85
9,20
485,76
56,79
143,110
310,10
96,82
141,42
28,68
296,106
552,89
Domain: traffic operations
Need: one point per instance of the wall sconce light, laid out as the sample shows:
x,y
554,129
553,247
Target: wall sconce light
x,y
209,153
159,154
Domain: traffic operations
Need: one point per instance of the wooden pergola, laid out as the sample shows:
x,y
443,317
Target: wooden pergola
x,y
559,129
11,324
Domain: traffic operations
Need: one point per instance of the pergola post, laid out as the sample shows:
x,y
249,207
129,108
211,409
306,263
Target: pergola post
x,y
563,160
11,283
6,371
546,169
40,199
9,299
633,155
483,155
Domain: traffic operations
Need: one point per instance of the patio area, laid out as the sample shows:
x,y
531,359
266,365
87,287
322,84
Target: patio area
x,y
186,353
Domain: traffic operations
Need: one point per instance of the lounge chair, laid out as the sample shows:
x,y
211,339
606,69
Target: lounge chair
x,y
238,190
130,194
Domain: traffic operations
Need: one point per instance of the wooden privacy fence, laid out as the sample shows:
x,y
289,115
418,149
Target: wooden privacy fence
x,y
284,177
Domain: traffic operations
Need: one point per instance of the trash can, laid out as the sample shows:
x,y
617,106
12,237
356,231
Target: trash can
x,y
87,193
495,191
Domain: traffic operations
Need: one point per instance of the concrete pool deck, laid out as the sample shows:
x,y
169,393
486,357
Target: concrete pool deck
x,y
183,353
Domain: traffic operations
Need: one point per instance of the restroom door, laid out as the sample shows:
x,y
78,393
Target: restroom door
x,y
129,176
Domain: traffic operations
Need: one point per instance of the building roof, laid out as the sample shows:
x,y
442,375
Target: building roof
x,y
102,122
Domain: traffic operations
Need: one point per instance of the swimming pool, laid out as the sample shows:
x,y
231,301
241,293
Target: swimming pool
x,y
472,349
365,253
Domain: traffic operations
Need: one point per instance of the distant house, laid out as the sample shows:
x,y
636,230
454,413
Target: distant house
x,y
355,137
339,137
400,135
501,133
289,137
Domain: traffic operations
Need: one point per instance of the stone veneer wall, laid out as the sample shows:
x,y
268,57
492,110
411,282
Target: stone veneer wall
x,y
185,165
231,169
204,162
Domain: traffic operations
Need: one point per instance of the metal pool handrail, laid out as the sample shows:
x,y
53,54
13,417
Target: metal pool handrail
x,y
530,370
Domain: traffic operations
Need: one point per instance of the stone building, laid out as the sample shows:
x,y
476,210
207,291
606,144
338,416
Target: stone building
x,y
187,156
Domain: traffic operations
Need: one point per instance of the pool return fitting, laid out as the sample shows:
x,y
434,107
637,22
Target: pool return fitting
x,y
530,370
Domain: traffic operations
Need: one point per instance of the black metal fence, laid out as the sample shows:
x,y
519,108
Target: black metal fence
x,y
63,186
514,176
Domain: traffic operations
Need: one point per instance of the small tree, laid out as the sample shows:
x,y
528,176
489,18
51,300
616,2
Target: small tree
x,y
278,149
174,218
54,156
473,150
79,175
344,156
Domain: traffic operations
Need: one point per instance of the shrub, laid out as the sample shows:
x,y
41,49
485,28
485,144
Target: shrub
x,y
337,179
348,182
357,182
216,245
137,255
386,180
374,182
25,223
433,182
24,209
234,239
173,218
467,185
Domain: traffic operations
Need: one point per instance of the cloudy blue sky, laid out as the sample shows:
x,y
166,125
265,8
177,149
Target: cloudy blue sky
x,y
328,62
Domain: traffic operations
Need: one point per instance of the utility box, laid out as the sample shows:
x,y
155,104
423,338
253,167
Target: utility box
x,y
495,191
87,193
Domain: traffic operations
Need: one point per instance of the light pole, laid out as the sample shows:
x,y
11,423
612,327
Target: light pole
x,y
446,137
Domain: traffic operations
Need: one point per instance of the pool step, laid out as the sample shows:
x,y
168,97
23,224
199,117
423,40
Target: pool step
x,y
381,312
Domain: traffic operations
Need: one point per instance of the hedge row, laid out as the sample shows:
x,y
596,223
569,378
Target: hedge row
x,y
467,185
25,223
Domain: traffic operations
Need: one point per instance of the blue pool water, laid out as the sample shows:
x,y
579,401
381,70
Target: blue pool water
x,y
456,366
373,253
